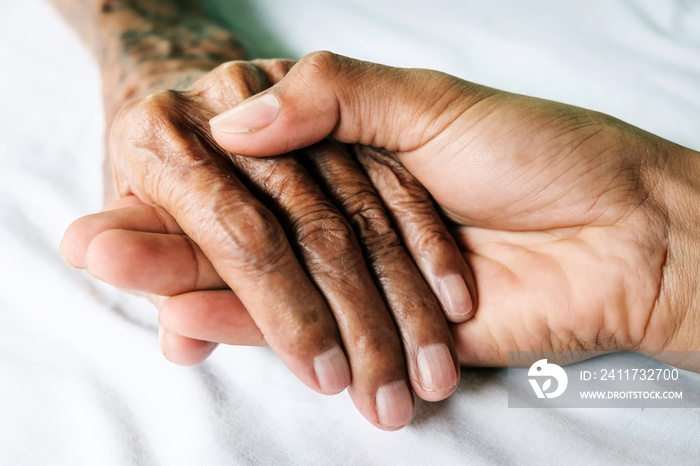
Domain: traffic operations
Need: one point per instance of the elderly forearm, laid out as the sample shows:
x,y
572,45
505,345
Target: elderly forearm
x,y
143,45
147,45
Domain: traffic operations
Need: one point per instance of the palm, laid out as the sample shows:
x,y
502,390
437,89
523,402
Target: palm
x,y
554,290
555,230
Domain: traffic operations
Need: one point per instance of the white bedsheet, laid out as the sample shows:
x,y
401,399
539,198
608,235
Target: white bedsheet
x,y
81,377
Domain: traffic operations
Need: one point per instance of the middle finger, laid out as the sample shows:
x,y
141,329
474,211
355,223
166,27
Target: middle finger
x,y
332,258
430,355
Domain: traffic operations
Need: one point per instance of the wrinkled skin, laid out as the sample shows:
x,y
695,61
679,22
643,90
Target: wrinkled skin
x,y
298,252
581,230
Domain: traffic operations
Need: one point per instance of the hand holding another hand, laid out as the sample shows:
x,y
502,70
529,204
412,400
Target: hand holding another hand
x,y
577,226
297,252
581,230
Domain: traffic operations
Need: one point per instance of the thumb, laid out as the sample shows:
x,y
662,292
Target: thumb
x,y
352,100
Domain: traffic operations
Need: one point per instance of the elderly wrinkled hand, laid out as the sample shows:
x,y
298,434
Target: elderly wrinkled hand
x,y
298,252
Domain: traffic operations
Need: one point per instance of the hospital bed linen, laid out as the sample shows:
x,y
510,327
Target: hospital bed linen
x,y
82,380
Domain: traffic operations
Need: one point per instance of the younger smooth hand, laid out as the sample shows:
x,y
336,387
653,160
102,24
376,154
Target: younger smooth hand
x,y
581,230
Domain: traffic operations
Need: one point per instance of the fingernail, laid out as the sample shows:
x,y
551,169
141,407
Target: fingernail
x,y
454,296
253,114
161,341
62,254
332,370
436,368
90,273
394,404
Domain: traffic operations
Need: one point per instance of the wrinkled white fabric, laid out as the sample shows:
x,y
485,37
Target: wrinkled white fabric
x,y
81,378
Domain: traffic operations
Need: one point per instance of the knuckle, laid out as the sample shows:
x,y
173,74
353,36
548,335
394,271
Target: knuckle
x,y
231,71
391,178
150,120
278,178
375,231
326,237
231,83
321,225
420,212
368,217
431,238
252,235
158,104
379,156
142,137
276,69
382,246
324,64
366,210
